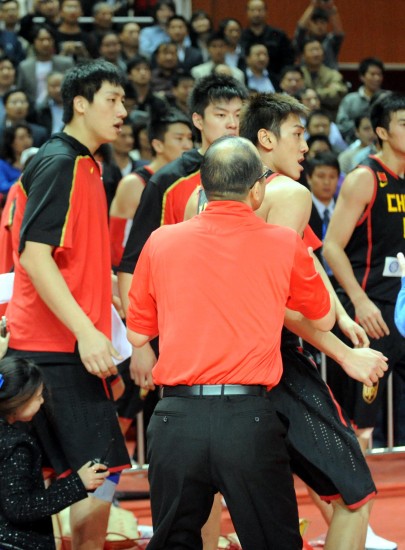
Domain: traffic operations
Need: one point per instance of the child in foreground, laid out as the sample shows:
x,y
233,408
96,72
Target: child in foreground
x,y
26,505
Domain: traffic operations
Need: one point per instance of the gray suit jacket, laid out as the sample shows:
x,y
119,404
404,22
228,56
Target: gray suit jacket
x,y
26,78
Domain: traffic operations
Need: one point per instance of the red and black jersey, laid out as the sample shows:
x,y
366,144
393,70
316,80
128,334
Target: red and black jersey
x,y
179,177
61,203
379,235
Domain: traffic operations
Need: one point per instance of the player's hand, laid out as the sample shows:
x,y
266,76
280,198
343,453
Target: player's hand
x,y
370,318
142,362
97,352
353,331
401,260
364,365
93,475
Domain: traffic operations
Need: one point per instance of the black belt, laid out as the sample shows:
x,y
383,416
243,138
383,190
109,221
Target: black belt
x,y
212,390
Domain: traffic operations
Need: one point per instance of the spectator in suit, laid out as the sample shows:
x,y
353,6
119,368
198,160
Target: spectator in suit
x,y
188,56
257,76
16,106
129,38
139,74
32,72
328,83
49,112
281,52
322,175
217,49
151,37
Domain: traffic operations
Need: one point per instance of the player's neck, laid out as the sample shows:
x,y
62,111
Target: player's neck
x,y
394,160
75,131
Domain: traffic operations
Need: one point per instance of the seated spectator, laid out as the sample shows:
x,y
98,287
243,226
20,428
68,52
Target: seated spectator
x,y
328,83
151,37
166,69
314,23
110,49
7,80
122,147
322,175
257,77
311,100
182,86
142,152
49,112
140,76
281,52
48,9
363,146
11,46
70,38
32,72
292,80
10,16
318,122
355,104
217,49
318,143
16,139
201,29
232,31
129,39
16,106
188,56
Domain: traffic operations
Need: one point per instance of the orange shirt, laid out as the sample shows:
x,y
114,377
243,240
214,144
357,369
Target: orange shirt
x,y
61,202
215,289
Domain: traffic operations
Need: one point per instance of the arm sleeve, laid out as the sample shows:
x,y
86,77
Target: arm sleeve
x,y
22,500
399,315
147,219
308,294
49,194
142,310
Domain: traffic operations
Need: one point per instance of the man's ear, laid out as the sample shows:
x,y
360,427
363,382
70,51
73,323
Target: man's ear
x,y
197,121
157,145
79,104
266,139
382,133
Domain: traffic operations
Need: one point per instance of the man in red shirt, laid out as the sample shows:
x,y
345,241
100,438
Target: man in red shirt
x,y
218,302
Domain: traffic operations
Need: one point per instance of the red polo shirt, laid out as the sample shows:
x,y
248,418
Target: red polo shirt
x,y
215,289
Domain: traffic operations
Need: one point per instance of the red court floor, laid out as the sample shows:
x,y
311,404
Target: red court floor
x,y
387,517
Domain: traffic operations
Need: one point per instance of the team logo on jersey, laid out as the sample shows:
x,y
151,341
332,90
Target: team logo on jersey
x,y
382,179
369,394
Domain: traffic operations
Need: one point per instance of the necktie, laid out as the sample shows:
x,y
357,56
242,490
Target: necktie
x,y
325,223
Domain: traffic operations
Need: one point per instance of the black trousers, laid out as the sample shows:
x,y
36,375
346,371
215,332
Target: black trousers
x,y
234,445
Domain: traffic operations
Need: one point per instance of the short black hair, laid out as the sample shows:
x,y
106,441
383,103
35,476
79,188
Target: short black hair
x,y
21,380
319,13
368,62
309,40
268,111
318,137
9,132
252,45
213,88
160,121
317,112
14,91
85,79
137,60
359,118
291,69
384,107
36,29
325,158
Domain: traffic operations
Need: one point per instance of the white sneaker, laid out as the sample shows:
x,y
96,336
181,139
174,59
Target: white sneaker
x,y
374,542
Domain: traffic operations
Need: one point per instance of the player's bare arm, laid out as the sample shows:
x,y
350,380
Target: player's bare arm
x,y
96,351
354,197
127,197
